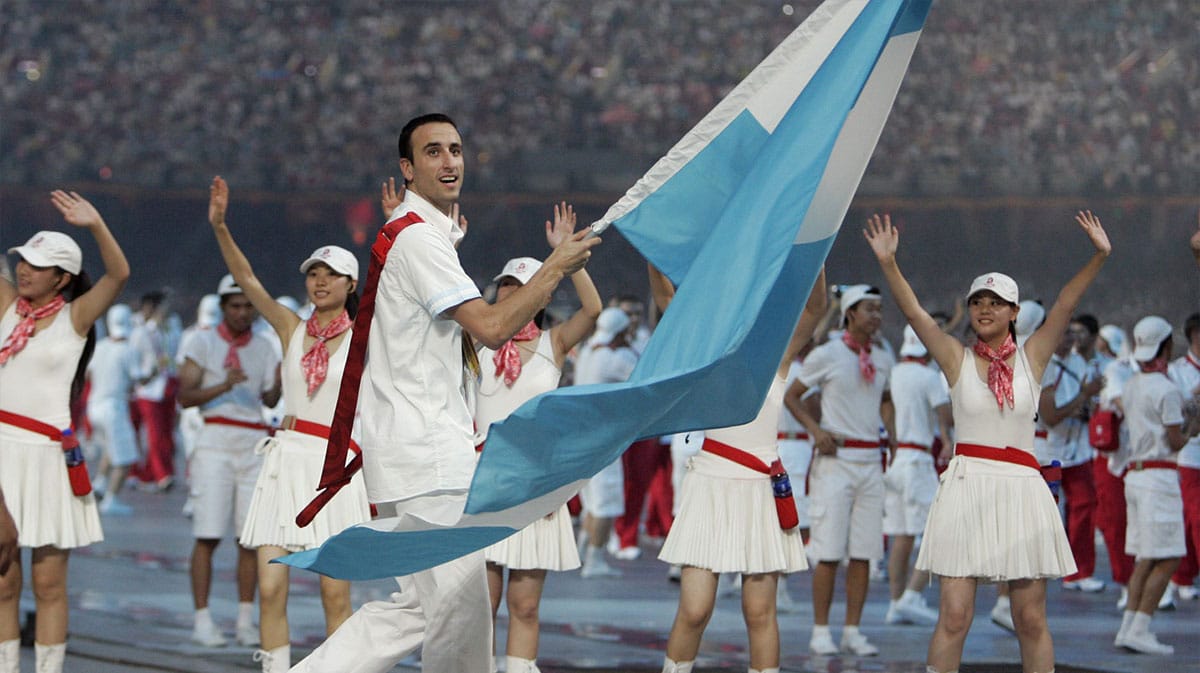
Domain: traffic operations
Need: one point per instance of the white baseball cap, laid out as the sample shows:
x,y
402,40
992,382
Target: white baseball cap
x,y
339,259
1115,338
521,268
1030,317
208,313
611,322
119,320
852,294
912,346
1003,286
51,248
1148,335
228,286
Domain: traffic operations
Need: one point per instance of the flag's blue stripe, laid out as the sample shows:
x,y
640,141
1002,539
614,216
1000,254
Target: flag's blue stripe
x,y
359,553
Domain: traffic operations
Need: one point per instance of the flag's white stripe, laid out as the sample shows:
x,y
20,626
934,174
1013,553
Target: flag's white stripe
x,y
515,517
855,142
810,36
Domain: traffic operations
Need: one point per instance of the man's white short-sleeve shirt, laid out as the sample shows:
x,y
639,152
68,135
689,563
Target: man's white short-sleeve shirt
x,y
244,402
849,404
917,390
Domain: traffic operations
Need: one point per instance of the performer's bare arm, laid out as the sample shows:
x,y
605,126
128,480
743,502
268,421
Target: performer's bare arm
x,y
814,311
793,399
191,394
582,322
661,288
88,307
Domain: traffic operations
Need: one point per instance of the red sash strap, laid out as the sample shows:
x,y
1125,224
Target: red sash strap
x,y
1041,434
791,435
249,425
915,447
1153,465
479,448
31,424
1008,455
336,473
315,429
738,456
859,444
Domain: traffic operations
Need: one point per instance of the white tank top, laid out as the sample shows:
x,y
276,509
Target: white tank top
x,y
978,419
36,382
296,402
758,437
495,401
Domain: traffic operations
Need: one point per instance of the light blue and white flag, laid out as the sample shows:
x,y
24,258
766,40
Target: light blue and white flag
x,y
740,215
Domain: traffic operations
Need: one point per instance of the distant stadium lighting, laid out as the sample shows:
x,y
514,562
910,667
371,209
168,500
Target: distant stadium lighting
x,y
310,70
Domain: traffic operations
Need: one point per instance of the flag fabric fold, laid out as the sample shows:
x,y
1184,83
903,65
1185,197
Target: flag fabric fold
x,y
740,215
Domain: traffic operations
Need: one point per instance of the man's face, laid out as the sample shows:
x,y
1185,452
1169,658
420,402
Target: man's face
x,y
436,169
1084,340
238,313
866,316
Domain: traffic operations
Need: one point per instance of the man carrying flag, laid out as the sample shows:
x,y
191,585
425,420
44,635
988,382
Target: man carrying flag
x,y
418,454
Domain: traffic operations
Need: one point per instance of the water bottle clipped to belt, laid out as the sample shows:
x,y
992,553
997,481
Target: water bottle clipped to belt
x,y
785,504
76,468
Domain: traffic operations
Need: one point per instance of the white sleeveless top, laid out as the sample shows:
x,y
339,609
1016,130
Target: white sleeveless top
x,y
978,419
495,401
36,382
758,437
320,407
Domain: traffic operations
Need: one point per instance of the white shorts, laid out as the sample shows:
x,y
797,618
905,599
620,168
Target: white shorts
x,y
112,429
222,486
910,484
1154,515
846,508
604,494
796,455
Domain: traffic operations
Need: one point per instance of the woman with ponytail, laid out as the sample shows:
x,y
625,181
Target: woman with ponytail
x,y
314,356
993,519
46,339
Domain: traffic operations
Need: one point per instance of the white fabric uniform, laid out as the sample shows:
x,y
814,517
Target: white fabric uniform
x,y
994,520
604,494
1153,501
1185,372
684,445
224,464
418,458
846,490
727,520
549,542
152,345
293,463
911,479
1116,375
36,382
1066,442
114,368
795,450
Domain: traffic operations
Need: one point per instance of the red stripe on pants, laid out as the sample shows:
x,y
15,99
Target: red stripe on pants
x,y
1189,484
1110,519
641,461
157,419
1079,490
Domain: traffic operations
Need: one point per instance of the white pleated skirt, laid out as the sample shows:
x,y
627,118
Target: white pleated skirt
x,y
545,544
994,521
286,484
37,491
730,525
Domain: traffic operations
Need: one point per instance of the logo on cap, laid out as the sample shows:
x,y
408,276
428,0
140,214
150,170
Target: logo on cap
x,y
990,281
520,267
37,241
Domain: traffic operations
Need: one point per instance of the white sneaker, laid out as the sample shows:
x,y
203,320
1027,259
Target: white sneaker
x,y
208,635
1002,616
1088,585
1188,592
1146,643
627,553
1167,602
596,566
893,615
914,610
857,643
111,506
822,644
675,573
1123,601
247,635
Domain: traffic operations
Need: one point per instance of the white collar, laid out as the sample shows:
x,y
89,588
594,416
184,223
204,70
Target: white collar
x,y
430,214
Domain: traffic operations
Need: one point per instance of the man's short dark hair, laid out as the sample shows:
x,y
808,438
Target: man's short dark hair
x,y
1089,323
405,142
153,299
1191,325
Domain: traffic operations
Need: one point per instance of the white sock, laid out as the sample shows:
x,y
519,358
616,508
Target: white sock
x,y
518,665
910,595
49,658
850,631
10,656
203,617
1139,624
765,670
1126,621
670,666
892,603
245,614
819,630
1002,601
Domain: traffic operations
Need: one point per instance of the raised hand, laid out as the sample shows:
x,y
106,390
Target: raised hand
x,y
75,209
1091,225
572,254
563,225
883,237
390,198
218,201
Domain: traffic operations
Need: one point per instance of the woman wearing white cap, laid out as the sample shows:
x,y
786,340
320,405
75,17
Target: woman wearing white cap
x,y
44,352
528,365
993,519
735,515
314,356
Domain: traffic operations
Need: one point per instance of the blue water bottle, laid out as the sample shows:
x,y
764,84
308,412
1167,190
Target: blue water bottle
x,y
1055,483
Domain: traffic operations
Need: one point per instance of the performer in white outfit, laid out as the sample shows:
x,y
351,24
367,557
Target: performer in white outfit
x,y
994,519
314,355
728,519
46,338
526,366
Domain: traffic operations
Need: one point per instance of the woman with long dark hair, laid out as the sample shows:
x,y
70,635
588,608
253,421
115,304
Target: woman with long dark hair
x,y
46,340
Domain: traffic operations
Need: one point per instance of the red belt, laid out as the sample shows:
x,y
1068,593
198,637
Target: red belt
x,y
791,435
1007,455
1153,465
915,447
738,456
859,444
31,424
1041,434
249,425
310,428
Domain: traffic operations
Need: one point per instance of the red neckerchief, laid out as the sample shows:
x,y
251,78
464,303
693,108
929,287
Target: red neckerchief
x,y
508,358
1156,365
865,366
25,328
909,358
232,361
315,361
1191,361
1000,375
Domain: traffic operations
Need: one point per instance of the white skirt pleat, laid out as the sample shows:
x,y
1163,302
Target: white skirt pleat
x,y
994,521
730,525
287,483
38,494
545,544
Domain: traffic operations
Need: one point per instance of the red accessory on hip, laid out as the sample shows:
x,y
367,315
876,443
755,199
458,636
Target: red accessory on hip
x,y
865,366
315,362
1000,374
24,329
508,358
235,342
